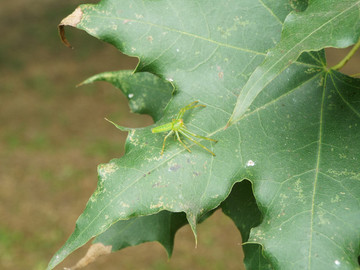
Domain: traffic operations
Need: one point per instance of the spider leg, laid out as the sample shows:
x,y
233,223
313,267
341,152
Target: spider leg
x,y
197,136
163,147
196,142
188,107
178,137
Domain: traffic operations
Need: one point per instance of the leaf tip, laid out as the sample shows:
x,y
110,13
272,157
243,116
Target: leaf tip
x,y
72,20
87,81
192,222
118,126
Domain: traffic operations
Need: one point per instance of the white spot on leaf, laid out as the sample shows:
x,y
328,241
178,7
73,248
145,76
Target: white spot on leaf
x,y
125,205
250,163
106,169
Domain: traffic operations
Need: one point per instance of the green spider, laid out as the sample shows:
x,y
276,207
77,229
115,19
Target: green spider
x,y
177,126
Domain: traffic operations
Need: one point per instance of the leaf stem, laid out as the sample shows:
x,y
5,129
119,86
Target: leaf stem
x,y
347,57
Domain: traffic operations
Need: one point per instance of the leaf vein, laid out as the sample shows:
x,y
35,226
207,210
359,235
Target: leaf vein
x,y
316,174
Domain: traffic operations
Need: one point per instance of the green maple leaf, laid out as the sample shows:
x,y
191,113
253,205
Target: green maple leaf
x,y
297,140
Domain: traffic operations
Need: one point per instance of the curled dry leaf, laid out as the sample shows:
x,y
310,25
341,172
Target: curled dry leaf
x,y
72,20
95,251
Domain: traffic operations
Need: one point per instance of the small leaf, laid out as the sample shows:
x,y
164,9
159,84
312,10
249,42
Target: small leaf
x,y
254,257
241,207
325,23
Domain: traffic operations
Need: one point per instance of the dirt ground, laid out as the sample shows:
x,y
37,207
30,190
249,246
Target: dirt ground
x,y
53,135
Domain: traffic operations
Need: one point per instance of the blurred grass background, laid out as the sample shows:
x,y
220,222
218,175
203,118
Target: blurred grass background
x,y
53,136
